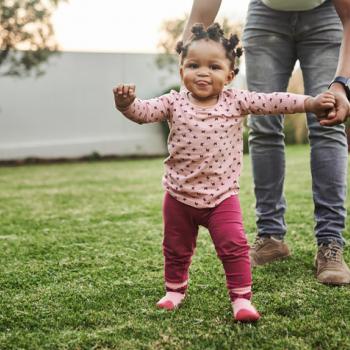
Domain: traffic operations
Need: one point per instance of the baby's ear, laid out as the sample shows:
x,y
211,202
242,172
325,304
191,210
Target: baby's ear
x,y
181,70
230,77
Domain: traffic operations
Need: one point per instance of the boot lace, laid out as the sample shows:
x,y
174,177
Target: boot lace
x,y
259,241
332,252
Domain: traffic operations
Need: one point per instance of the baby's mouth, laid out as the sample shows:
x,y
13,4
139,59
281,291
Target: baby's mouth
x,y
202,83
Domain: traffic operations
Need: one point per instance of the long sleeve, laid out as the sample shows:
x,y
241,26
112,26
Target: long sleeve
x,y
271,103
149,111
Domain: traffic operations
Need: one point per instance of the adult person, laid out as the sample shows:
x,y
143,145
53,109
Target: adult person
x,y
277,34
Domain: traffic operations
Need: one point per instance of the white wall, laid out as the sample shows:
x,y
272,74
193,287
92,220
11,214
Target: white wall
x,y
69,112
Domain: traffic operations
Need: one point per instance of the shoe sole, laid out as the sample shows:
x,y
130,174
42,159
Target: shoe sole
x,y
167,305
255,264
246,316
335,284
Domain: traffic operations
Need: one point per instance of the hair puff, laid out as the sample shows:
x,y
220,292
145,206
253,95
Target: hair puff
x,y
215,32
179,47
198,31
239,52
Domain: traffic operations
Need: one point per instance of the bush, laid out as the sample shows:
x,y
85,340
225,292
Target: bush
x,y
347,129
295,130
165,125
245,140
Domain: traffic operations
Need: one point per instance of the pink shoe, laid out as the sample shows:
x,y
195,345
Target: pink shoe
x,y
171,300
244,311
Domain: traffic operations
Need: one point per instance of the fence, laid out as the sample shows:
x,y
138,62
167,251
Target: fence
x,y
69,112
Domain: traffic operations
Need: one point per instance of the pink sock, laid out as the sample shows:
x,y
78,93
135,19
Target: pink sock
x,y
171,300
244,311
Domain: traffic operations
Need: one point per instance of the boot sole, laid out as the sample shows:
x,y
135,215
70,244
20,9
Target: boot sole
x,y
255,264
336,284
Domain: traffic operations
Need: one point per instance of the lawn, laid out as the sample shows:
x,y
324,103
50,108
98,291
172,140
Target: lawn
x,y
81,266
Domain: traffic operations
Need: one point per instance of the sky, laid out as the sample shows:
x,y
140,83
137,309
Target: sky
x,y
124,25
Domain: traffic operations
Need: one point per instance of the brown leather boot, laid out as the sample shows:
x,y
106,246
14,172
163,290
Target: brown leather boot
x,y
330,265
267,249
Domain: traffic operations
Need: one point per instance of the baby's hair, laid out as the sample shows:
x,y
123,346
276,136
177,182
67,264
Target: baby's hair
x,y
215,33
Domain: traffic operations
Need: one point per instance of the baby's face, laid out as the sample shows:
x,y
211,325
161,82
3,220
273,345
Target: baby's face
x,y
206,69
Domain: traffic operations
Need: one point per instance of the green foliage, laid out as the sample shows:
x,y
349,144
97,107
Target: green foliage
x,y
81,266
165,125
171,31
26,36
295,131
245,139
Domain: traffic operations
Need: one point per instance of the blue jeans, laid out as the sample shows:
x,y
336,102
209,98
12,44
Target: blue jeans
x,y
273,42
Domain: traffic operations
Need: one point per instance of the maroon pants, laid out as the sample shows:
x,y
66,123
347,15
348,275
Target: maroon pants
x,y
224,223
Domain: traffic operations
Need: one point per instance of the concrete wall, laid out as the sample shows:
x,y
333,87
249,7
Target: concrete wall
x,y
69,112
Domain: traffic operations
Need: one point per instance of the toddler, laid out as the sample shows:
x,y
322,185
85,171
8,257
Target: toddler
x,y
205,159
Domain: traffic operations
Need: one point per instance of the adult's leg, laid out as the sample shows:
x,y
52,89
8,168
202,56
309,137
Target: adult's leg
x,y
270,57
320,34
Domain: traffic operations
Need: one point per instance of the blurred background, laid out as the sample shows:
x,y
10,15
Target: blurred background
x,y
59,61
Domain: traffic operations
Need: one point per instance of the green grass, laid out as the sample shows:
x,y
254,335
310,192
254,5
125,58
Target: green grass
x,y
82,266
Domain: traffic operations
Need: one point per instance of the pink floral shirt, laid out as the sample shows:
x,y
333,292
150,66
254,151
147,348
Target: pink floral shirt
x,y
206,144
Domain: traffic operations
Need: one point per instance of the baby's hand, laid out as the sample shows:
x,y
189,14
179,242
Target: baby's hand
x,y
124,95
320,104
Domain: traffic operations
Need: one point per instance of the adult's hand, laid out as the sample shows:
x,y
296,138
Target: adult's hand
x,y
203,11
341,110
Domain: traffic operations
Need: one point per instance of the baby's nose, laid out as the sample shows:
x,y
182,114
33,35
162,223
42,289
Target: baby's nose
x,y
203,72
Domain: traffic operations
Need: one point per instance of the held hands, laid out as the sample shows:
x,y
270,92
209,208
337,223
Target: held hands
x,y
341,110
338,113
321,105
124,95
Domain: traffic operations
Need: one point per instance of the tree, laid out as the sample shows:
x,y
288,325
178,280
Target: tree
x,y
26,36
171,31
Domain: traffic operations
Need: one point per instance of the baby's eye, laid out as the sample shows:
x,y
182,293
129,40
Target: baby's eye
x,y
215,67
192,65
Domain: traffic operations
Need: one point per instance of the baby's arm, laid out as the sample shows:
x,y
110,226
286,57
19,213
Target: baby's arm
x,y
283,102
140,111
